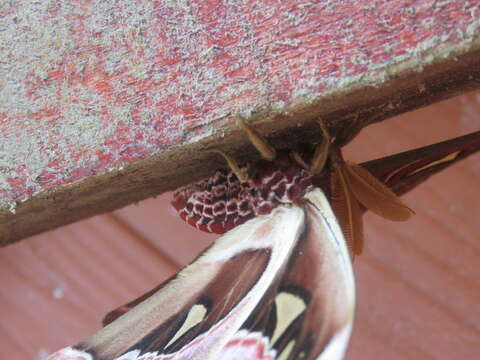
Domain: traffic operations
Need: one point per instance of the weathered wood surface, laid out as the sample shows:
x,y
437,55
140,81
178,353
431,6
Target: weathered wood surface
x,y
107,103
418,282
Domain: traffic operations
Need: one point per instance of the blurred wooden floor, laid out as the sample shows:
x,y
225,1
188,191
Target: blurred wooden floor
x,y
418,283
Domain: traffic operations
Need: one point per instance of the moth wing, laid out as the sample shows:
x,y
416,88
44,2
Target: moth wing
x,y
333,281
278,287
196,313
374,195
403,172
348,212
308,311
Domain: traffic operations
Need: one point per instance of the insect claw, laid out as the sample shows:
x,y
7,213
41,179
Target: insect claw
x,y
321,150
299,159
325,133
233,165
257,140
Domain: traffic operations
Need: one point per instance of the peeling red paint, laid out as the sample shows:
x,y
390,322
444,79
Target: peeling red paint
x,y
111,83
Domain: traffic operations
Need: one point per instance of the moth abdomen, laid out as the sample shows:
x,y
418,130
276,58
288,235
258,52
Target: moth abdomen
x,y
221,202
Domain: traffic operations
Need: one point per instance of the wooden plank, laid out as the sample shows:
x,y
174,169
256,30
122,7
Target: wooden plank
x,y
57,286
104,104
417,281
176,240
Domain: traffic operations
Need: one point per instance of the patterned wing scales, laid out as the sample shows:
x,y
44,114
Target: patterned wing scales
x,y
278,287
307,313
195,314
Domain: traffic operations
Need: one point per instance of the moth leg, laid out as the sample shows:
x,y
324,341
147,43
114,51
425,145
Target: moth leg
x,y
321,153
260,144
267,152
233,165
294,155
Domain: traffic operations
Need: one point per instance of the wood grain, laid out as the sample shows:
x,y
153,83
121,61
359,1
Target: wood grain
x,y
108,103
418,282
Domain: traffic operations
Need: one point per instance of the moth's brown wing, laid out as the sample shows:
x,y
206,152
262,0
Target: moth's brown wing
x,y
404,171
348,211
400,172
195,314
114,314
308,311
374,195
332,282
278,287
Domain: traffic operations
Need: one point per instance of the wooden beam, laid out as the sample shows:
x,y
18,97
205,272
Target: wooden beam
x,y
107,104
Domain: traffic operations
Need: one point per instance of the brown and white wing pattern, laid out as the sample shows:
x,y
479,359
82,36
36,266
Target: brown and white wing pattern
x,y
279,286
195,314
333,284
307,313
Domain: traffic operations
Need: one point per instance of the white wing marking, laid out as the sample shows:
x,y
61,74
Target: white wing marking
x,y
195,315
339,269
278,233
287,351
70,354
288,308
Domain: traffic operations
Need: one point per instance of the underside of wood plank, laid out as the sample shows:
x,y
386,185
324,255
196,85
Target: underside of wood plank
x,y
106,104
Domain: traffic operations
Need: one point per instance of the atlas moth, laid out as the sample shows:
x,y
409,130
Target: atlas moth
x,y
279,283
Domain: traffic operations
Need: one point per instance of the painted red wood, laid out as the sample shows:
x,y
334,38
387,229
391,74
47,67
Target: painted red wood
x,y
56,287
90,87
418,287
174,240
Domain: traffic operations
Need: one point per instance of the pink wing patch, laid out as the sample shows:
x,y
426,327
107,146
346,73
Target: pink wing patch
x,y
70,354
246,345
